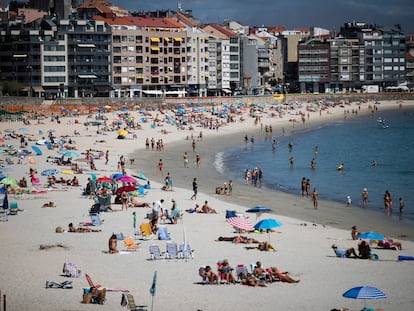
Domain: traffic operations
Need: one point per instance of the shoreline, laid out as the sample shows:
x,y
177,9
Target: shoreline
x,y
329,212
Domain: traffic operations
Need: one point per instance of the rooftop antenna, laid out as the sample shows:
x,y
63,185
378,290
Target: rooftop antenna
x,y
180,7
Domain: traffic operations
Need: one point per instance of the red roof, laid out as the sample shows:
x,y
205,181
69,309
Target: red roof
x,y
187,20
227,32
143,21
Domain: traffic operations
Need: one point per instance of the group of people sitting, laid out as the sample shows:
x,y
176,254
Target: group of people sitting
x,y
388,243
258,277
364,251
205,209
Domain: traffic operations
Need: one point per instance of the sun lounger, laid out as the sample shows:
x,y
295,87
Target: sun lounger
x,y
130,244
172,251
155,252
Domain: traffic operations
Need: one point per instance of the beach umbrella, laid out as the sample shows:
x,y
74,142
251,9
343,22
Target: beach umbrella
x,y
259,210
49,172
142,176
116,175
67,172
104,179
364,292
135,222
267,224
128,179
8,181
122,132
371,236
71,154
153,289
241,223
126,188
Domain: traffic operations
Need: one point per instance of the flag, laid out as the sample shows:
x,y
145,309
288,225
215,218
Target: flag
x,y
154,284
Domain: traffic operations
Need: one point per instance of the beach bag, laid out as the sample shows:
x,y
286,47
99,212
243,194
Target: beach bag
x,y
71,270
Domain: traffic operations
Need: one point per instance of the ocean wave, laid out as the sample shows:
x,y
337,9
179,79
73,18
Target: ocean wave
x,y
218,162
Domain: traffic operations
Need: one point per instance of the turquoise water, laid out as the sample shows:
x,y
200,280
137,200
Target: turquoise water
x,y
355,142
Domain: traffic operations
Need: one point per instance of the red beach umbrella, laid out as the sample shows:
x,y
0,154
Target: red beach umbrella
x,y
125,188
104,179
241,223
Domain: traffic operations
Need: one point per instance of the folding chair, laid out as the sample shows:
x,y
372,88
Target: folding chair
x,y
172,251
130,245
163,233
186,251
155,252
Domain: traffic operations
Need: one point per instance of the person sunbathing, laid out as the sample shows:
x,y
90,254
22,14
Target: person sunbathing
x,y
226,270
244,240
112,244
265,246
261,273
282,276
49,204
135,203
344,252
390,244
72,228
251,281
206,209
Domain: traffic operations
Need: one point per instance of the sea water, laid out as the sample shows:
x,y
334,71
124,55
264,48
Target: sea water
x,y
354,142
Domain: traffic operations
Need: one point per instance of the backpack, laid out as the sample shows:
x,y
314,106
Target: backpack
x,y
71,270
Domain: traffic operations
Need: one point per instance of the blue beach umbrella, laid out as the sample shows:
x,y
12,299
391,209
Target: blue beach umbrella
x,y
267,224
71,154
371,236
364,292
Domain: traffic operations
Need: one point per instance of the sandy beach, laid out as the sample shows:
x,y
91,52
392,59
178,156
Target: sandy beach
x,y
303,243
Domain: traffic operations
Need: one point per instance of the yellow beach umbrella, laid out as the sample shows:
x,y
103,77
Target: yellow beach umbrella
x,y
122,132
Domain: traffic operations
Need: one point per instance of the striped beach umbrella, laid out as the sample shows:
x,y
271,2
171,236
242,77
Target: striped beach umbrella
x,y
241,223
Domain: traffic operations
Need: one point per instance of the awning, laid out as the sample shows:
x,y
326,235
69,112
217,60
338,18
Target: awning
x,y
227,91
87,76
86,45
38,88
166,39
178,39
152,92
155,39
155,48
206,57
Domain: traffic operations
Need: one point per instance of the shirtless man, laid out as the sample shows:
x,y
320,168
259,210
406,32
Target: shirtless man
x,y
185,157
206,209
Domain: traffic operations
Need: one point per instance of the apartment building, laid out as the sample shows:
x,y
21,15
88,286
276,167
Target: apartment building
x,y
313,65
227,58
197,56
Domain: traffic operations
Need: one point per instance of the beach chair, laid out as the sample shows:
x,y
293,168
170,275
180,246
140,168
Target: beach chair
x,y
155,252
221,275
128,300
172,251
241,272
130,245
14,208
145,231
163,234
186,251
71,270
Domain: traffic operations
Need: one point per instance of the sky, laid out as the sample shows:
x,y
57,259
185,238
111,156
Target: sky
x,y
329,14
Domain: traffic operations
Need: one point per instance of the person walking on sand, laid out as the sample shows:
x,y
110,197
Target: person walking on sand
x,y
315,198
185,157
106,157
198,160
160,166
195,189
